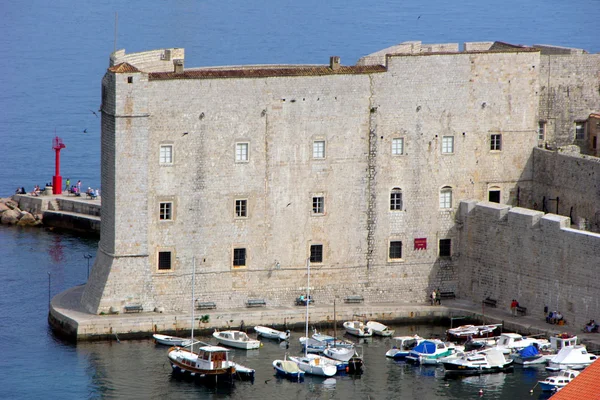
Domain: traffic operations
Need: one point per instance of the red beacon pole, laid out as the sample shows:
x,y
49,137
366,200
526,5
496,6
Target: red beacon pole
x,y
57,145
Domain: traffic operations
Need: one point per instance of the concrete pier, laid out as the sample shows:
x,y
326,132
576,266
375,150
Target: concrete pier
x,y
68,319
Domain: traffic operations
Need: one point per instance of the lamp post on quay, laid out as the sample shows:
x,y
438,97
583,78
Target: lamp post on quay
x,y
88,256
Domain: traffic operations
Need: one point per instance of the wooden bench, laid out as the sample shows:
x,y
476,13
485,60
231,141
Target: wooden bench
x,y
490,302
206,305
256,303
521,310
354,299
134,308
447,295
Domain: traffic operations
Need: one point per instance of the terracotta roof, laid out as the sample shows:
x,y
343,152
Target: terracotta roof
x,y
267,72
123,68
585,387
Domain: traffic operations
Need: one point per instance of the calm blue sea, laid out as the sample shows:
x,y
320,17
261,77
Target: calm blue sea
x,y
54,55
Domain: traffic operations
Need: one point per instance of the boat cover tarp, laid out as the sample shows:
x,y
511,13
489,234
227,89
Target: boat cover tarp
x,y
570,354
495,358
290,367
425,347
529,351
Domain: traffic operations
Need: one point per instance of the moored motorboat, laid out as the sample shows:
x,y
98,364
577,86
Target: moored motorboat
x,y
209,361
402,346
339,353
571,357
171,340
271,333
530,355
464,332
288,369
310,345
479,362
380,329
555,382
429,352
237,339
315,365
510,342
357,328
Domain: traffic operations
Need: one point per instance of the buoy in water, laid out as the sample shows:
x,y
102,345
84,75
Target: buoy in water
x,y
481,392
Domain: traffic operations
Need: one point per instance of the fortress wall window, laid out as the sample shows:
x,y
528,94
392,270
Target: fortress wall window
x,y
130,79
241,152
496,142
241,208
494,194
579,130
446,197
395,250
397,146
164,260
239,258
166,154
319,149
166,211
445,247
396,199
541,130
316,253
447,144
318,205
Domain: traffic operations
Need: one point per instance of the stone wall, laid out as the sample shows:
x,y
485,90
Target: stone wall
x,y
537,259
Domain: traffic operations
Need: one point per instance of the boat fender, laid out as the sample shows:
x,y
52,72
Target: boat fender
x,y
347,369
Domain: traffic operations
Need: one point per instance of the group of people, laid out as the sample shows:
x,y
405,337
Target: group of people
x,y
513,307
555,317
36,190
20,190
436,297
591,327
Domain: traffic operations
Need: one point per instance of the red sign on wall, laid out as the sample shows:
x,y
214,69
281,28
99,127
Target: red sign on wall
x,y
421,244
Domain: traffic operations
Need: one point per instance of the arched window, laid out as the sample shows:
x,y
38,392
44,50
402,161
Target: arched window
x,y
396,199
446,197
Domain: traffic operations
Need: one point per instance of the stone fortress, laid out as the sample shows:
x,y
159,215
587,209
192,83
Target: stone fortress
x,y
420,167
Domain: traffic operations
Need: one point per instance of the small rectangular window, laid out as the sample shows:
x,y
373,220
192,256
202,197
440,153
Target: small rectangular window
x,y
166,211
164,260
398,146
130,79
319,149
396,200
241,208
395,250
166,154
496,142
445,247
241,152
318,206
580,130
542,130
239,258
316,253
447,144
446,197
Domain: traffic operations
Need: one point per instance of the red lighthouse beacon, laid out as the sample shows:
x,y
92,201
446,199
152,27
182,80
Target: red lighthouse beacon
x,y
57,145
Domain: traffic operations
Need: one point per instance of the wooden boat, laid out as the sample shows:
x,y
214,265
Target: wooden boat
x,y
357,328
171,340
571,357
403,345
237,339
209,361
380,329
555,382
288,369
270,333
480,362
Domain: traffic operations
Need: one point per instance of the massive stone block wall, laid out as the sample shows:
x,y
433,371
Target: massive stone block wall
x,y
574,180
530,256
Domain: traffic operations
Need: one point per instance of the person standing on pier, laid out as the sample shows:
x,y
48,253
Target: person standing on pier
x,y
68,185
78,186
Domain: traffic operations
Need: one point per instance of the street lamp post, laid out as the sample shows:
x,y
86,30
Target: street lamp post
x,y
88,256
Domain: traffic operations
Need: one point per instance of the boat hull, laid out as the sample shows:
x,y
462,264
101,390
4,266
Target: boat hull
x,y
467,370
296,376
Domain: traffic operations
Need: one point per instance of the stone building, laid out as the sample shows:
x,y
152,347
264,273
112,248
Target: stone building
x,y
247,172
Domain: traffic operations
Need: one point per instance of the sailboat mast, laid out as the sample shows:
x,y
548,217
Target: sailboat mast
x,y
307,302
193,285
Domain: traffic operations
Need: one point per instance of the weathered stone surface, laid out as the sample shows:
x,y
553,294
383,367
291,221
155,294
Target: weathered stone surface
x,y
10,217
27,219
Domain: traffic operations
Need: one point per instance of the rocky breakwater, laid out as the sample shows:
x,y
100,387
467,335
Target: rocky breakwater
x,y
11,214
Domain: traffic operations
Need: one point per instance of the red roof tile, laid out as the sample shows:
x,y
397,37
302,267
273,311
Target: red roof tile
x,y
585,387
123,68
267,72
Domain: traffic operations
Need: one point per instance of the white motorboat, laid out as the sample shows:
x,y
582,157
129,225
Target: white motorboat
x,y
237,339
557,342
339,353
208,361
464,332
510,342
380,329
571,357
311,345
479,362
288,369
330,340
171,340
555,382
270,333
357,328
429,352
530,355
315,365
402,346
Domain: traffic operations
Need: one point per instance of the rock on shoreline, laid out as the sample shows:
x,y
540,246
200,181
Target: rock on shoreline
x,y
11,214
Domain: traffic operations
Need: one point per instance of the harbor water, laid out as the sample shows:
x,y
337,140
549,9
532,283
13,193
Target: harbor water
x,y
55,54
